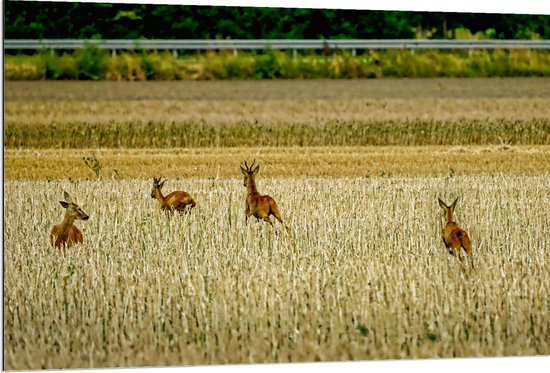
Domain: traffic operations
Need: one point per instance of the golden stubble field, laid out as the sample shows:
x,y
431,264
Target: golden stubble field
x,y
366,161
363,273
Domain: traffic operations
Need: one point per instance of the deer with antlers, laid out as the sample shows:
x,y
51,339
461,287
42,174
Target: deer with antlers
x,y
454,237
179,201
66,234
260,206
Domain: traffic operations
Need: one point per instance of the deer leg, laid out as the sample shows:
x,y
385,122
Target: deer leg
x,y
274,210
455,249
468,250
467,245
447,246
267,219
246,214
471,258
280,219
455,252
278,216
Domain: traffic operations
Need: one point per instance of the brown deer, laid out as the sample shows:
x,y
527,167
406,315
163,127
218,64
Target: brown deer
x,y
175,201
66,233
256,204
455,237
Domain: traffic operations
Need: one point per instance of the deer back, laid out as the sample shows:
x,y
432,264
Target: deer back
x,y
177,200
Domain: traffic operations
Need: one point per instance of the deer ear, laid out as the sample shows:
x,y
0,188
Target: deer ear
x,y
442,204
162,184
256,170
64,204
454,203
245,173
68,197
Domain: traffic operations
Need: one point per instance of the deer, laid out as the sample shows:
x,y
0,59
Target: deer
x,y
66,233
179,201
260,206
453,236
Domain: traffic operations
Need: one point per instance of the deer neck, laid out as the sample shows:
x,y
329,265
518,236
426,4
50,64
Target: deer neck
x,y
66,225
158,195
251,185
449,215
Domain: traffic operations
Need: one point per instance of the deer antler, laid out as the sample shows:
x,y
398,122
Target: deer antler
x,y
159,181
252,165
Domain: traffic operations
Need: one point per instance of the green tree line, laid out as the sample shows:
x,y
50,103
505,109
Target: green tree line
x,y
41,20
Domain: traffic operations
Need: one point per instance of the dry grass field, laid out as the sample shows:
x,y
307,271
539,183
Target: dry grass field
x,y
362,275
363,272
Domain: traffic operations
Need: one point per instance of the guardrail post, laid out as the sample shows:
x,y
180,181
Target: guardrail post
x,y
353,53
113,52
175,53
294,53
235,52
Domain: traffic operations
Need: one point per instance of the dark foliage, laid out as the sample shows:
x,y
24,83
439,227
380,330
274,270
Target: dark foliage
x,y
40,20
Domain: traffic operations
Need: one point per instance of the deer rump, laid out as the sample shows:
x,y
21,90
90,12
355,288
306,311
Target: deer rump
x,y
262,206
456,238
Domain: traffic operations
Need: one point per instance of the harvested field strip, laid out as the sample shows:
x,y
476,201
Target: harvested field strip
x,y
234,111
292,90
34,164
281,113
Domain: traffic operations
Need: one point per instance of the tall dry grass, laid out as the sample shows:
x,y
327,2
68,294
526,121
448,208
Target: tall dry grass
x,y
362,275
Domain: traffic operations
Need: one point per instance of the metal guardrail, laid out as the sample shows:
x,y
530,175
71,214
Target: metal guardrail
x,y
238,44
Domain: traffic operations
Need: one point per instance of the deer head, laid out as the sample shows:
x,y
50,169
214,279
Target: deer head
x,y
157,185
73,209
248,172
448,209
